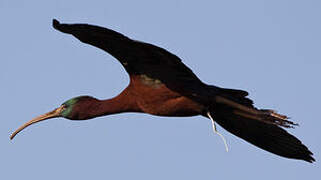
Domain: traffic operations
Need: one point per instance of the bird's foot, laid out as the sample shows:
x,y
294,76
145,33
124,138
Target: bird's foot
x,y
215,130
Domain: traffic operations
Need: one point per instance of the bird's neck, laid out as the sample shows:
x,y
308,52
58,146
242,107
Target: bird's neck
x,y
119,104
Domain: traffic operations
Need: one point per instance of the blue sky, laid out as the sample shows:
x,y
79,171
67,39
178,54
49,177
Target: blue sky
x,y
269,48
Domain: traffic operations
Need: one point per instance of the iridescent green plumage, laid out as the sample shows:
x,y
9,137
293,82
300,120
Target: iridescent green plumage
x,y
69,104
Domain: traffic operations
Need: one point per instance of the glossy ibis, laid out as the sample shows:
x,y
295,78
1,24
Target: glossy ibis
x,y
160,84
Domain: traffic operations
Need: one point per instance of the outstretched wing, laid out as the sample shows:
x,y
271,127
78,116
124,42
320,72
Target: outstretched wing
x,y
269,137
138,58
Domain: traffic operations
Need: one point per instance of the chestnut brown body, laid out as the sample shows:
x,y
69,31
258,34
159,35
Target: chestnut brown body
x,y
160,84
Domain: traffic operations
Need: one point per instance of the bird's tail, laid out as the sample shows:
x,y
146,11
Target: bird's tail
x,y
265,115
235,113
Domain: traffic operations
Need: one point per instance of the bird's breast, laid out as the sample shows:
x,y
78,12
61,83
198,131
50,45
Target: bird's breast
x,y
153,97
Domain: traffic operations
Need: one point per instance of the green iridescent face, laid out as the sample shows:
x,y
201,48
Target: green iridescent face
x,y
69,106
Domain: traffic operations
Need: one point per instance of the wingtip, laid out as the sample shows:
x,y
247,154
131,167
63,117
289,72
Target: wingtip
x,y
306,155
55,23
310,159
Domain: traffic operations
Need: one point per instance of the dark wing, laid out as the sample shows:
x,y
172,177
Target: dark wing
x,y
269,137
138,58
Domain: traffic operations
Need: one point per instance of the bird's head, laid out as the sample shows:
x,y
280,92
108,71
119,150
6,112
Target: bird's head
x,y
77,108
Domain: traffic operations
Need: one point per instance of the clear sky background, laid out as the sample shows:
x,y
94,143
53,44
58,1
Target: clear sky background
x,y
269,48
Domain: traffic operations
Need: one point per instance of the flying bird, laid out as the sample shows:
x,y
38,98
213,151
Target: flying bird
x,y
160,84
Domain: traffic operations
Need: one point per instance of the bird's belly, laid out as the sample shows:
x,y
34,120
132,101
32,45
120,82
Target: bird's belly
x,y
179,106
157,99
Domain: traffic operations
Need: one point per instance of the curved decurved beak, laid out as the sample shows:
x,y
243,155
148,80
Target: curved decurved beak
x,y
49,115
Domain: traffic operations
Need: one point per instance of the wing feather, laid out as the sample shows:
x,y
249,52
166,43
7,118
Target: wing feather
x,y
269,137
138,58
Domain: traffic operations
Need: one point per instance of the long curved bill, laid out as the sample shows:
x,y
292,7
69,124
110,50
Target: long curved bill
x,y
49,115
